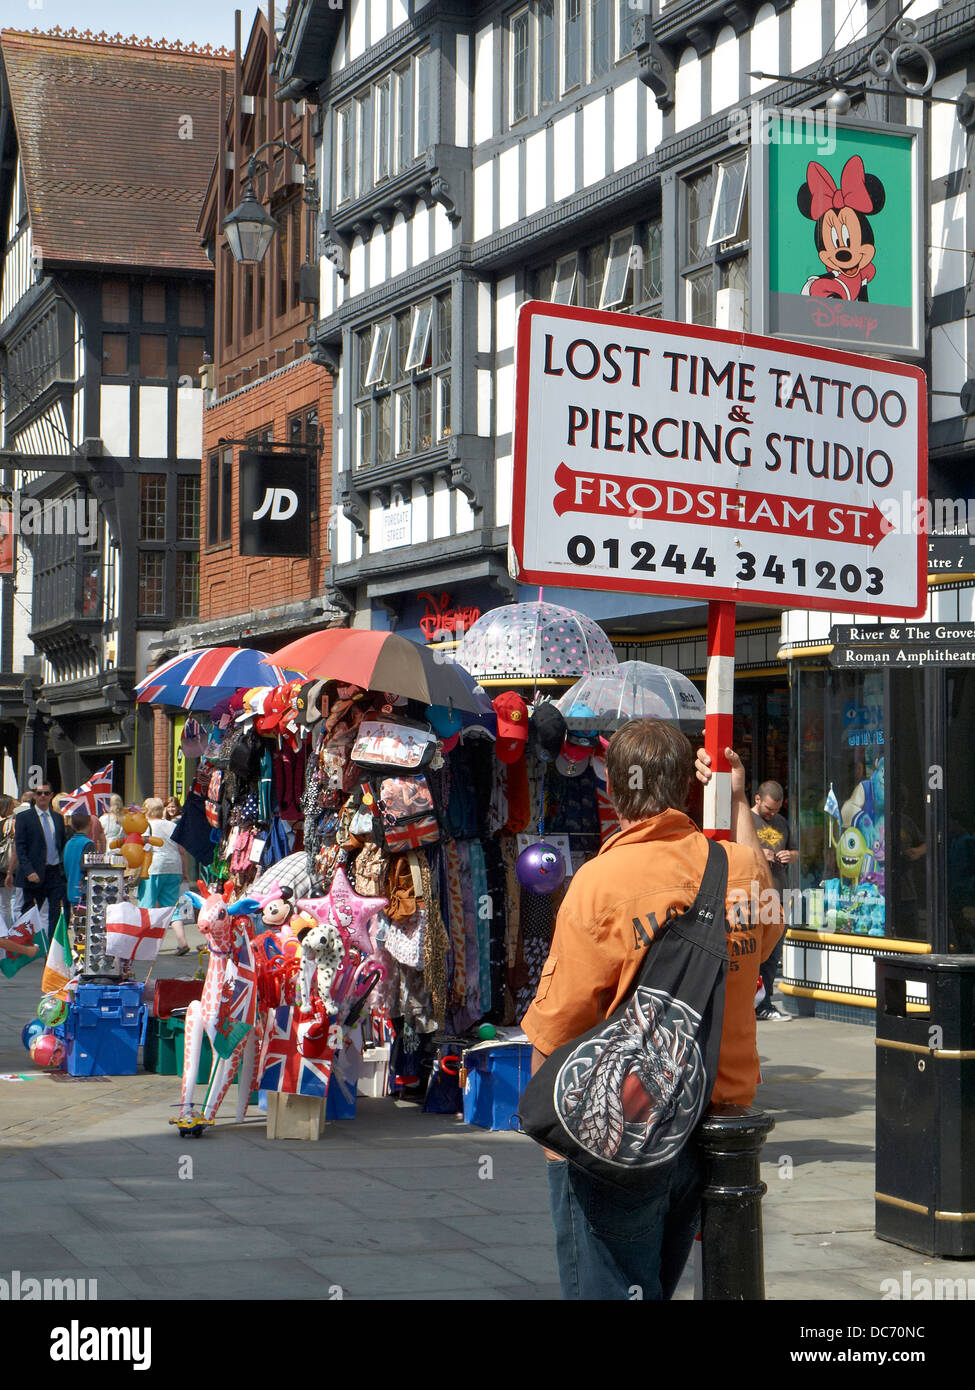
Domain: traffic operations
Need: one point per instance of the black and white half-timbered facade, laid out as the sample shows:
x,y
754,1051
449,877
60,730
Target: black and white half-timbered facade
x,y
473,156
105,318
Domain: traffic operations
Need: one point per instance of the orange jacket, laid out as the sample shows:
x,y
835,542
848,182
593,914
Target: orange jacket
x,y
618,902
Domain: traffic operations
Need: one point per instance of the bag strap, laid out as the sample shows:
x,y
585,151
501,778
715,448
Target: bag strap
x,y
708,908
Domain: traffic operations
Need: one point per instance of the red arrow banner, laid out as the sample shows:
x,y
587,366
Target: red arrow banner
x,y
602,494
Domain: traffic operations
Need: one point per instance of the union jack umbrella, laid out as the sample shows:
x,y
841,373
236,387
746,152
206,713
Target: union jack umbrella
x,y
285,1069
199,679
94,795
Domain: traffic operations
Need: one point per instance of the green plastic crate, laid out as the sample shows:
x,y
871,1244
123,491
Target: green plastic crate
x,y
164,1047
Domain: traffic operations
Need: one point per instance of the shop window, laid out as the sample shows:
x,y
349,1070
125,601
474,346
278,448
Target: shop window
x,y
960,810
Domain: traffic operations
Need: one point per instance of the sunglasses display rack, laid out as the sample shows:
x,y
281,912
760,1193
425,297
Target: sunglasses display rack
x,y
104,885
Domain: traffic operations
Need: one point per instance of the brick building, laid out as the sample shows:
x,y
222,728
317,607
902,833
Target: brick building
x,y
265,389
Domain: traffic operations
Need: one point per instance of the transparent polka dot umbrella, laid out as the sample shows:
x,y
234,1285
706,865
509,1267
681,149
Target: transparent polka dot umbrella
x,y
634,690
522,641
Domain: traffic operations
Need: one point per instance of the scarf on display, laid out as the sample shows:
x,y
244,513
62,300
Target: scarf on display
x,y
472,997
482,920
434,946
455,916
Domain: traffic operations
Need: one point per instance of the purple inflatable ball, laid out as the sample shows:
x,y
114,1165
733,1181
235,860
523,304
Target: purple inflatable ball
x,y
540,868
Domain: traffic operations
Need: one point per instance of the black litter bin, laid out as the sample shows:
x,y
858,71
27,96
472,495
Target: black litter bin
x,y
925,1186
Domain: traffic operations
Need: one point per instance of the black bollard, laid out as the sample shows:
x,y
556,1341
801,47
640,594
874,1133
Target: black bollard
x,y
732,1258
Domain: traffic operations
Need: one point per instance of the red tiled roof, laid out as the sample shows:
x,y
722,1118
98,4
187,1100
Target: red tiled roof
x,y
117,141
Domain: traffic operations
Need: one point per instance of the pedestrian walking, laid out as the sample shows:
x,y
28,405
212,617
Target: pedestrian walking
x,y
111,821
167,868
8,857
77,847
772,830
610,1240
39,838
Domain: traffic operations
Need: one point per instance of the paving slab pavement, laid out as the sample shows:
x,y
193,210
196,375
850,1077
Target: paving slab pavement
x,y
395,1204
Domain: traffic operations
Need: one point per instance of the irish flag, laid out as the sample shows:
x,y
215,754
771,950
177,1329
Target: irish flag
x,y
135,933
57,971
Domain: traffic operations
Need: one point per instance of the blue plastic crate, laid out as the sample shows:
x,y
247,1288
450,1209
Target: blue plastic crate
x,y
105,1029
496,1077
126,994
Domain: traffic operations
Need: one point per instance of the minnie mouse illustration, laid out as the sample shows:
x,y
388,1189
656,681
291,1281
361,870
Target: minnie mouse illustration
x,y
843,236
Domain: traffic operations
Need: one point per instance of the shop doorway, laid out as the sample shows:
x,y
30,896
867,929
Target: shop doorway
x,y
762,731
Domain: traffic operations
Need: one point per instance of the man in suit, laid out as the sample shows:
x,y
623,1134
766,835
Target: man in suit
x,y
39,842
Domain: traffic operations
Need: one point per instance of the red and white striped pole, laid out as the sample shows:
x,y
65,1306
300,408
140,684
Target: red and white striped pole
x,y
719,717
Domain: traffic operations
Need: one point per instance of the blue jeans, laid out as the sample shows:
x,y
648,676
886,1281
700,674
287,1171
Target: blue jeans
x,y
613,1244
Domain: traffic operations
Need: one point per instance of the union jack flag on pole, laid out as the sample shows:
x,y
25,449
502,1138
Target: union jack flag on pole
x,y
94,795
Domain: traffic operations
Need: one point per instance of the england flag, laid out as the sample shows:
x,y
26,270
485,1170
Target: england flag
x,y
135,933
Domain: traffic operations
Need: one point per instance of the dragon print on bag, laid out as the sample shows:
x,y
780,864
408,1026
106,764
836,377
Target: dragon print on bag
x,y
632,1093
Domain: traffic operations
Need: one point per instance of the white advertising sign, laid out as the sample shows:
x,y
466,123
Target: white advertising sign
x,y
658,457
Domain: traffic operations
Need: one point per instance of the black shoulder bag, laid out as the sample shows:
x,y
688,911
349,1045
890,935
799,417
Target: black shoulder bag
x,y
622,1100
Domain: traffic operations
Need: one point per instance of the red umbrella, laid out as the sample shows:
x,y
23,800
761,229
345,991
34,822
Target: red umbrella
x,y
381,661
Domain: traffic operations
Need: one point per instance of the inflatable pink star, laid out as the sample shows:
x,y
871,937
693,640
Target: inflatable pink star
x,y
343,908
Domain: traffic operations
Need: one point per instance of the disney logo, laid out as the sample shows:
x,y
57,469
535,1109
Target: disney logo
x,y
828,313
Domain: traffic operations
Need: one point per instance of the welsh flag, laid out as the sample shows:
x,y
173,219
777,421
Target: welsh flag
x,y
135,933
58,969
94,795
23,931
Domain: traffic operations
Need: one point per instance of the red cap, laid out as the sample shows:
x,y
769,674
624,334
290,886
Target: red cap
x,y
512,715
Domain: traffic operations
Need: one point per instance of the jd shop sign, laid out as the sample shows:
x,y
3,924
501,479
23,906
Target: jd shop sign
x,y
274,504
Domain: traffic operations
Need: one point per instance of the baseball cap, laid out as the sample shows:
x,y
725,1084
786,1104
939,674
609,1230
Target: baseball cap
x,y
573,759
512,715
578,732
307,702
599,760
546,731
446,724
275,704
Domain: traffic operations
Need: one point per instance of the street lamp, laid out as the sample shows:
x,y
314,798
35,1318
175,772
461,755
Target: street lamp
x,y
250,228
